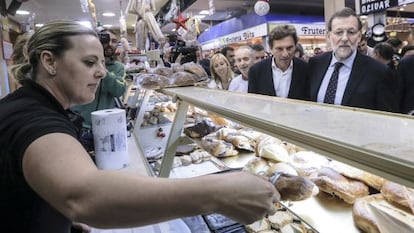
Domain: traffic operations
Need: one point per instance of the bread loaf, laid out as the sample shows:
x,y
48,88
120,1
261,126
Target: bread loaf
x,y
396,193
330,181
369,179
306,163
362,215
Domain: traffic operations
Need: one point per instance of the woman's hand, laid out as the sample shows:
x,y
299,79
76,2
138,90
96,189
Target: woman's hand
x,y
245,197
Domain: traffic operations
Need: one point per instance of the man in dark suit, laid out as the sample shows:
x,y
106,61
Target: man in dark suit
x,y
283,74
405,75
346,77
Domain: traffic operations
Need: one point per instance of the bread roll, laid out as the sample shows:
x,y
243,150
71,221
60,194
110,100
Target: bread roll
x,y
369,179
283,168
396,193
256,165
280,219
295,188
218,148
270,148
330,181
307,163
363,217
258,226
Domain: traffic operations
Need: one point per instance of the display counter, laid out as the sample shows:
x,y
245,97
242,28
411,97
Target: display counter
x,y
377,142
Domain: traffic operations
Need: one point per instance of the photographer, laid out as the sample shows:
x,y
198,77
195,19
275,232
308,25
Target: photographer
x,y
112,86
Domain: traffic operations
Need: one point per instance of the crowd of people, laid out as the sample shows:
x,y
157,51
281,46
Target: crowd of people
x,y
374,78
49,181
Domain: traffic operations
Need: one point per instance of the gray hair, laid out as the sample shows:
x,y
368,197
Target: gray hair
x,y
53,37
344,13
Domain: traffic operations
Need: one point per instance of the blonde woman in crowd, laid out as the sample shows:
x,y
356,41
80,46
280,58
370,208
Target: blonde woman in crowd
x,y
221,73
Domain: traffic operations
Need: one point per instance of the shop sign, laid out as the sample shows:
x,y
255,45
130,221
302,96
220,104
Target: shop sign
x,y
371,6
313,29
243,35
310,29
247,34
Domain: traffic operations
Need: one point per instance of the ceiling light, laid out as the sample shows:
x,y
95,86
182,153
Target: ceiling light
x,y
107,25
401,8
108,14
204,12
86,23
21,12
38,25
199,16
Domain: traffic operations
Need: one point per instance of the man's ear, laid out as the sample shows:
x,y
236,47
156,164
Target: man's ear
x,y
48,60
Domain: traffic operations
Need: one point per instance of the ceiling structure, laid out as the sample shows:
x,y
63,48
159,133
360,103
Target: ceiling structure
x,y
46,10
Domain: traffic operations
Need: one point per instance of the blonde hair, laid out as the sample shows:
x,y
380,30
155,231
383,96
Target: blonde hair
x,y
53,37
214,75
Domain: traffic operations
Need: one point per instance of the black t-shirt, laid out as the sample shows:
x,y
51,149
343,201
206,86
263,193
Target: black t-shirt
x,y
25,115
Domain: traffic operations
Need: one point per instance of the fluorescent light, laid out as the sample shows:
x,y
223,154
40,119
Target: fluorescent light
x,y
21,12
108,14
86,23
204,12
199,16
107,25
38,25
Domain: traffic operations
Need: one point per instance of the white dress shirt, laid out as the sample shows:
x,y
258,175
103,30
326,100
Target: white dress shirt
x,y
282,79
343,77
238,84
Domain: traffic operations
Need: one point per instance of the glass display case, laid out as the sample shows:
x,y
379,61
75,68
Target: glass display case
x,y
377,142
374,141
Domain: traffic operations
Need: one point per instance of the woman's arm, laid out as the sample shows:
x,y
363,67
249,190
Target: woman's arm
x,y
57,167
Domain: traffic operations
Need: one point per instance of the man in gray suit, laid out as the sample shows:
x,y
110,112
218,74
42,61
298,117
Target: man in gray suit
x,y
283,74
345,77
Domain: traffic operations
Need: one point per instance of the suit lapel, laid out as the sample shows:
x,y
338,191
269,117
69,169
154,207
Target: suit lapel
x,y
354,79
269,73
296,77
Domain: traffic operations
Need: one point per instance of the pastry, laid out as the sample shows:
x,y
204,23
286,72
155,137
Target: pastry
x,y
283,168
182,78
256,165
306,163
295,188
396,193
363,217
271,148
280,219
258,226
186,160
152,81
369,179
330,181
218,148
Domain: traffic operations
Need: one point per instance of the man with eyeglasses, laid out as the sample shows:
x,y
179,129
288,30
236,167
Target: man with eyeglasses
x,y
346,77
283,74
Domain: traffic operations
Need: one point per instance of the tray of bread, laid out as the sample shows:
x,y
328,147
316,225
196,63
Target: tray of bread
x,y
187,74
326,196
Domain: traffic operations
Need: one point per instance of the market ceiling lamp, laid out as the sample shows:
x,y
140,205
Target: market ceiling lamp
x,y
262,7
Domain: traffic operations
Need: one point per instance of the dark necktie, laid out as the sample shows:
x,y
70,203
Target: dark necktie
x,y
332,85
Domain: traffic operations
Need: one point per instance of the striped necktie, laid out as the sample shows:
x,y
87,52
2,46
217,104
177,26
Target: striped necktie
x,y
332,85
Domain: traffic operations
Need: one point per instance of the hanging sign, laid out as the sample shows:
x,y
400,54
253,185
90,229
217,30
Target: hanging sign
x,y
371,6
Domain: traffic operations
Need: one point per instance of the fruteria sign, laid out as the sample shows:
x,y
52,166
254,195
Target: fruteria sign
x,y
316,29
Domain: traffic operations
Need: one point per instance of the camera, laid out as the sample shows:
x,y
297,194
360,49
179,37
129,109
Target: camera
x,y
104,38
188,53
